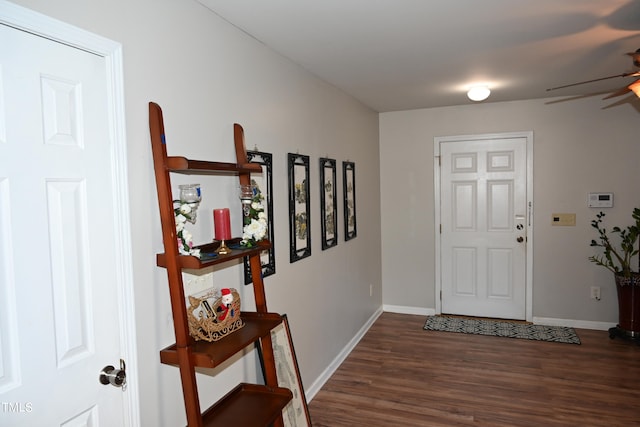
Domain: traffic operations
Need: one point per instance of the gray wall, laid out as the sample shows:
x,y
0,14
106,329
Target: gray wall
x,y
207,75
579,147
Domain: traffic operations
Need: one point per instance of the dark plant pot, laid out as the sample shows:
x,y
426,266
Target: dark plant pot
x,y
629,304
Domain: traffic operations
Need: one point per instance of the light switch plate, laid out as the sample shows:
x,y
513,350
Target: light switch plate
x,y
563,219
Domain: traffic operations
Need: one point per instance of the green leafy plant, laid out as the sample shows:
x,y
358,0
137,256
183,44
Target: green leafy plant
x,y
617,257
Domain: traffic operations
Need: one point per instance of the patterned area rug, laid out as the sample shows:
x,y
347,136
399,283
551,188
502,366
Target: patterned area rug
x,y
502,329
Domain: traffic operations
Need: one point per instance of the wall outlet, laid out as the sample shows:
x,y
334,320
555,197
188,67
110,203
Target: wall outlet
x,y
595,293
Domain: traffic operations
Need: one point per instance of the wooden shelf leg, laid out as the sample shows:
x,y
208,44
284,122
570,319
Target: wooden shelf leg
x,y
189,387
258,285
269,364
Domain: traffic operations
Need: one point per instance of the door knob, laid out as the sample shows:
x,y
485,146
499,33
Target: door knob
x,y
113,376
520,239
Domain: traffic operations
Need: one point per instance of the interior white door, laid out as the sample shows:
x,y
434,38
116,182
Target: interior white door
x,y
58,298
484,227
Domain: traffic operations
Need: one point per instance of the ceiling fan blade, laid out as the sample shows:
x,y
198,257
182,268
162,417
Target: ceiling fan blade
x,y
634,74
619,92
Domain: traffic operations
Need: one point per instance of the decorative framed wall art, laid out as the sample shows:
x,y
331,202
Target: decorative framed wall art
x,y
328,203
264,185
349,192
296,413
299,207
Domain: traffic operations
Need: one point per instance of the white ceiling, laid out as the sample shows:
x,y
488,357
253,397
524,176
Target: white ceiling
x,y
406,54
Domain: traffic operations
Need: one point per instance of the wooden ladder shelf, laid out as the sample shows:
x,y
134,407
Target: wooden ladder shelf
x,y
246,405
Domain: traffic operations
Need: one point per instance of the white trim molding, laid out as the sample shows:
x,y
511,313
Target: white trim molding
x,y
578,324
36,23
402,309
337,361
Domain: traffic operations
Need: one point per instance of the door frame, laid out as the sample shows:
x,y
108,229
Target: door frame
x,y
36,23
437,141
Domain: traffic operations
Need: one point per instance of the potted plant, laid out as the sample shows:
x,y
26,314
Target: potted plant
x,y
619,250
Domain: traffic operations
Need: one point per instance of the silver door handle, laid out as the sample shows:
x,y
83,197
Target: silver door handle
x,y
113,376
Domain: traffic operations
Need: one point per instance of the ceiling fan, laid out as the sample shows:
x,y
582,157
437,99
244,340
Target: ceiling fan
x,y
633,87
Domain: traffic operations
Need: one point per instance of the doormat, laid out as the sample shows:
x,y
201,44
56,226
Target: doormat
x,y
502,329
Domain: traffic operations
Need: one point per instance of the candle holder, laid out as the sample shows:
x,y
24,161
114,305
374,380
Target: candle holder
x,y
190,194
222,226
223,249
246,194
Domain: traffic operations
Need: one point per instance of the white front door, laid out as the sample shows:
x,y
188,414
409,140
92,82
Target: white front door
x,y
483,216
58,282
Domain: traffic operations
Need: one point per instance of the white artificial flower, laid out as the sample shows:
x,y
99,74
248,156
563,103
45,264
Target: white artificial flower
x,y
255,206
257,229
262,215
184,237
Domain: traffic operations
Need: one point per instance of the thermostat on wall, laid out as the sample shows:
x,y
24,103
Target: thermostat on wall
x,y
600,200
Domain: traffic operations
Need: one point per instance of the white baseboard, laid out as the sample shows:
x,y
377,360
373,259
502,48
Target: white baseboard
x,y
335,363
579,324
402,309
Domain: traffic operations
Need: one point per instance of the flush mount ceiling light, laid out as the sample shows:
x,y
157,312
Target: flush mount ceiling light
x,y
478,93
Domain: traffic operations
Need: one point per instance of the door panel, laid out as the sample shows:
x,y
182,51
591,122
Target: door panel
x,y
483,208
57,237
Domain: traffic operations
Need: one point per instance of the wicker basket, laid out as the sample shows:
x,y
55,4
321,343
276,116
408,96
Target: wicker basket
x,y
213,322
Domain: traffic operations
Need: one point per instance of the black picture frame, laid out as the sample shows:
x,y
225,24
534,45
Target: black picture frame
x,y
299,207
349,193
328,203
264,182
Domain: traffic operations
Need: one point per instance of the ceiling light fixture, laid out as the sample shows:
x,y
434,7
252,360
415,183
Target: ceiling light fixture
x,y
635,87
478,93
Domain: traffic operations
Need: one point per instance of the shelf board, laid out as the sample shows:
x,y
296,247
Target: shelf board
x,y
248,405
187,261
186,166
210,354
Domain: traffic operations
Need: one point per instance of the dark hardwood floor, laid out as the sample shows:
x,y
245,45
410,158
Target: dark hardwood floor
x,y
401,375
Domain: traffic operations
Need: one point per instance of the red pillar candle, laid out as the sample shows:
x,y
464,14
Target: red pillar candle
x,y
222,224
